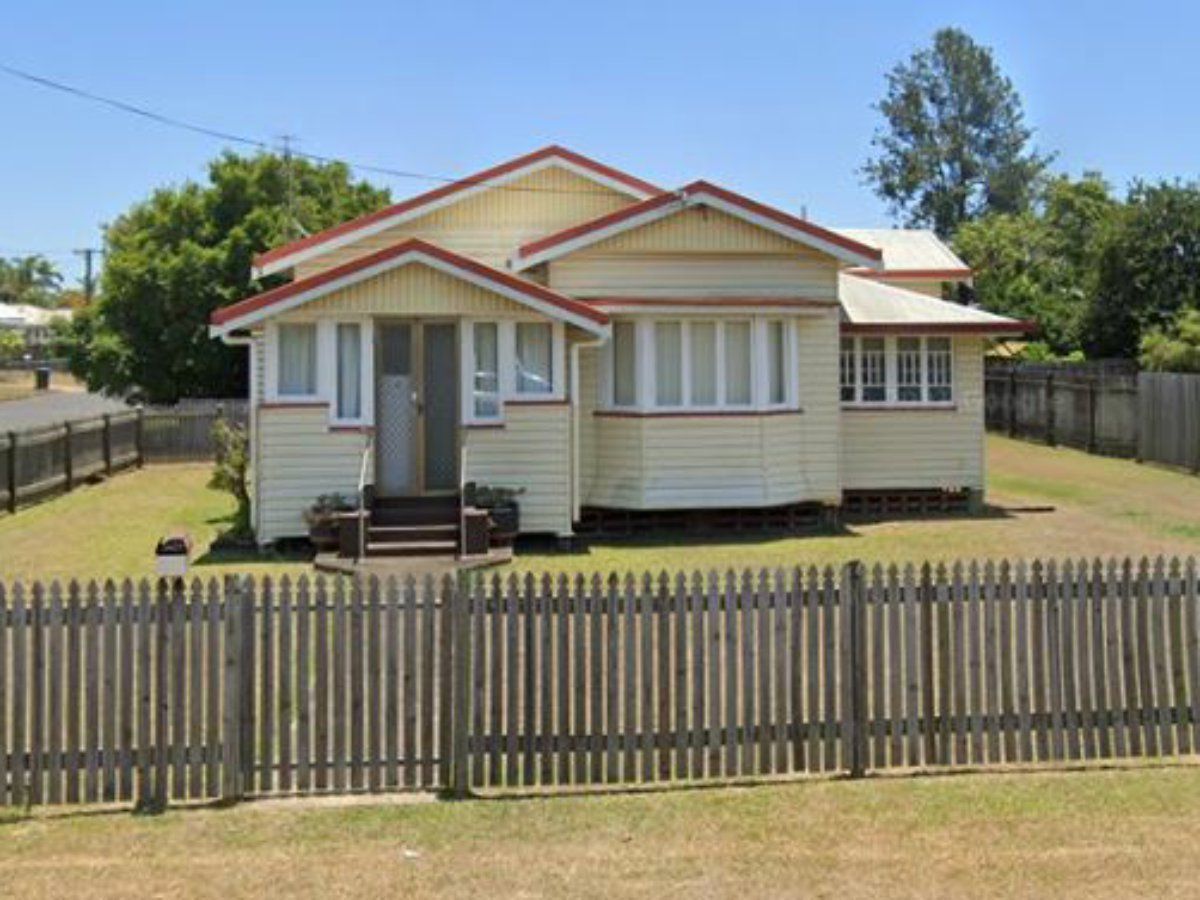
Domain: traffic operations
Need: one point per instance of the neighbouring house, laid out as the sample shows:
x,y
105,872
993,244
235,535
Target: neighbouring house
x,y
617,352
33,323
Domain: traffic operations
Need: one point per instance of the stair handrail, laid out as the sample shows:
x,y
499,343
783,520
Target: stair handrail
x,y
368,446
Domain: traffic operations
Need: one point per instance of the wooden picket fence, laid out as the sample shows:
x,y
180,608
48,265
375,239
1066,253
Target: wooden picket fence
x,y
157,693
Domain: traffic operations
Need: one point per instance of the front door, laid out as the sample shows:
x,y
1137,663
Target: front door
x,y
416,408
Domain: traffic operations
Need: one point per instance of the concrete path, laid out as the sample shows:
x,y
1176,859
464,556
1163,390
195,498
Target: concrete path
x,y
53,408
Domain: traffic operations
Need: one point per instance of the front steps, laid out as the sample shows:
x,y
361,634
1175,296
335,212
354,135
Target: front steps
x,y
413,526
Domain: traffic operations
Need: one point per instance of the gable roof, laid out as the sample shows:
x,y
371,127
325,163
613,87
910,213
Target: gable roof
x,y
697,193
910,253
287,255
413,250
871,306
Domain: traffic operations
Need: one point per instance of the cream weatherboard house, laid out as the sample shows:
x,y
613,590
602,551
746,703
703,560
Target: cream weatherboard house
x,y
613,350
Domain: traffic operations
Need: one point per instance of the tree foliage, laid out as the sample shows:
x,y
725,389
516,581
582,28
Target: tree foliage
x,y
1174,349
178,255
954,145
1042,264
32,280
231,473
12,345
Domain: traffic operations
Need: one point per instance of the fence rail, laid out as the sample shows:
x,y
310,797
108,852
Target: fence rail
x,y
41,462
162,692
1101,408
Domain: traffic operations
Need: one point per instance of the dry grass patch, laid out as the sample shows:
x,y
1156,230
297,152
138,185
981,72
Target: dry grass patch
x,y
1093,834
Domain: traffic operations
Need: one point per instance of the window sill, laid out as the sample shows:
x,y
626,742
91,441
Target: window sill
x,y
484,424
900,407
295,403
351,427
697,413
530,400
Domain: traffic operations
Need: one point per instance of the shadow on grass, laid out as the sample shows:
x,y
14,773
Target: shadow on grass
x,y
233,547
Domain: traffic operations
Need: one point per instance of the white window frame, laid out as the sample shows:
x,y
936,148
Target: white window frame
x,y
328,330
273,395
506,335
891,374
645,367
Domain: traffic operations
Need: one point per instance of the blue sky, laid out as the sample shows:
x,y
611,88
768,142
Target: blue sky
x,y
770,99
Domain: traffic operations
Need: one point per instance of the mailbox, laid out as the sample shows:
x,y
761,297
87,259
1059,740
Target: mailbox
x,y
172,554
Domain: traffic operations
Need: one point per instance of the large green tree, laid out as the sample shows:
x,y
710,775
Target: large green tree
x,y
1041,264
175,257
954,145
32,280
1147,269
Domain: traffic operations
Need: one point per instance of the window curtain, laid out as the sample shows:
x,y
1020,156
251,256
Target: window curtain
x,y
874,371
704,363
624,364
668,363
487,370
737,363
848,371
297,360
349,371
940,363
908,369
533,358
776,363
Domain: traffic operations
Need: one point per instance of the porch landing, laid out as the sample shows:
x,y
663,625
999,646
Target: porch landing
x,y
402,566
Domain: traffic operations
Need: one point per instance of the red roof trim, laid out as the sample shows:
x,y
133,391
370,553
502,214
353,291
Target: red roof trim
x,y
1015,327
405,206
699,188
914,274
708,301
411,245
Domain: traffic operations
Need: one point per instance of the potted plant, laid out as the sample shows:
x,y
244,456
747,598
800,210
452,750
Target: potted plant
x,y
322,519
504,512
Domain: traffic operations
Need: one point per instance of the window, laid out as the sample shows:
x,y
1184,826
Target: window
x,y
624,368
908,370
703,355
668,363
938,366
776,363
902,370
848,371
485,382
533,357
873,368
297,355
349,370
737,364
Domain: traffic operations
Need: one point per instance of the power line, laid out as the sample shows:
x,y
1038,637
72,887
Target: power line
x,y
174,122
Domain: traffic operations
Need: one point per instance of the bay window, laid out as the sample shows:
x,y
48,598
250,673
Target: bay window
x,y
674,365
297,359
903,370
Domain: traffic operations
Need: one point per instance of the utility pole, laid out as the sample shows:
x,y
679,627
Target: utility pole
x,y
292,224
89,282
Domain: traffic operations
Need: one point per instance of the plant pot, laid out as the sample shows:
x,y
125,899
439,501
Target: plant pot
x,y
505,523
324,534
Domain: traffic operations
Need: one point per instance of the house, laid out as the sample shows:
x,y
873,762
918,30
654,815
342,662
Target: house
x,y
33,323
610,348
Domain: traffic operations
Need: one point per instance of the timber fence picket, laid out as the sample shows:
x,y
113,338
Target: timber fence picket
x,y
166,692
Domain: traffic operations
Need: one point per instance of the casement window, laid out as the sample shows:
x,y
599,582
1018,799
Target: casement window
x,y
349,371
682,364
902,370
534,358
485,376
296,349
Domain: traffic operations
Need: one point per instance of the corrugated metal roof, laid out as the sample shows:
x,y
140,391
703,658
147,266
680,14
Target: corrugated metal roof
x,y
869,302
909,249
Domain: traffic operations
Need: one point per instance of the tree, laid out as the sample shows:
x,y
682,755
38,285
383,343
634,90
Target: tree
x,y
954,145
1147,268
175,257
32,280
1174,349
232,471
1041,264
12,345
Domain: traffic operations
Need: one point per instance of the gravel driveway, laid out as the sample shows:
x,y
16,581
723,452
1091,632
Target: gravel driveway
x,y
52,408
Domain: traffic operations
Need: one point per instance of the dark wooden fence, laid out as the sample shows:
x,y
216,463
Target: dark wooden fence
x,y
42,462
1106,408
157,693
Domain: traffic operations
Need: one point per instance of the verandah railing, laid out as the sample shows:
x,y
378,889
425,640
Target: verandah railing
x,y
163,692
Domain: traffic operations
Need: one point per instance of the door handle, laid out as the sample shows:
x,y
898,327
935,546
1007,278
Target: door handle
x,y
417,404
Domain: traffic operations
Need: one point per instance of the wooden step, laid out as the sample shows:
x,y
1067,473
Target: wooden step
x,y
420,532
412,548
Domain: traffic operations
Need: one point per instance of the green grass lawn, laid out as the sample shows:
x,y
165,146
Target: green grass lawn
x,y
1097,506
1095,834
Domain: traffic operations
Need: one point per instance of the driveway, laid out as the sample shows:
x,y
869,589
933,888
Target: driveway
x,y
52,408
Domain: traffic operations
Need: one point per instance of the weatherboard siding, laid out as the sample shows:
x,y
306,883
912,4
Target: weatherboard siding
x,y
490,225
913,448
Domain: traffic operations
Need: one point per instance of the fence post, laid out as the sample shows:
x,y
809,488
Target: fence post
x,y
1091,444
854,717
12,471
1012,402
461,716
68,463
138,436
231,768
107,442
1050,409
